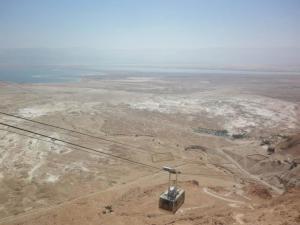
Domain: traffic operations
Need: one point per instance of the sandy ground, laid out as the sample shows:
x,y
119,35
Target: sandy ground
x,y
217,131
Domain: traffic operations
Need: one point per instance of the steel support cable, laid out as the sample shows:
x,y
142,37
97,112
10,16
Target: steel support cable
x,y
78,132
39,129
94,151
83,147
39,139
98,140
73,131
51,142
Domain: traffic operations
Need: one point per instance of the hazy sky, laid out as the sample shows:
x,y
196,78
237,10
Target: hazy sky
x,y
155,25
149,24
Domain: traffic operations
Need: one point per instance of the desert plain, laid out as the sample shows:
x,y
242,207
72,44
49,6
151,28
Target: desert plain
x,y
91,152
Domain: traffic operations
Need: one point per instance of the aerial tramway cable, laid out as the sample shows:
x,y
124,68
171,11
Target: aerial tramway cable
x,y
91,150
80,146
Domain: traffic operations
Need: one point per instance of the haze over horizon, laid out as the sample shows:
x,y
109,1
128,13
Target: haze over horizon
x,y
253,34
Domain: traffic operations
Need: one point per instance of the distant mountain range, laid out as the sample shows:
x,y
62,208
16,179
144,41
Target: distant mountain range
x,y
268,59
